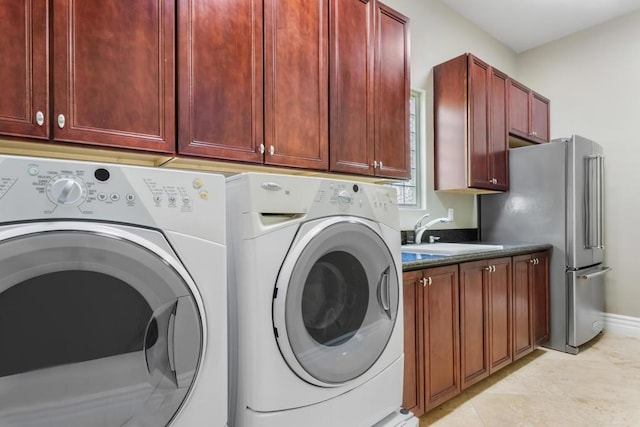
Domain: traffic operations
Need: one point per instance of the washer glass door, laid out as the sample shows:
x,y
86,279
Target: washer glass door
x,y
336,301
95,331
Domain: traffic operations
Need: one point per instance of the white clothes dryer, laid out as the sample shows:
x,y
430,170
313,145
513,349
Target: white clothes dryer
x,y
112,295
315,298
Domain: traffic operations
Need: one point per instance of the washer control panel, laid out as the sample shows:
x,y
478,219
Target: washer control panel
x,y
66,190
35,188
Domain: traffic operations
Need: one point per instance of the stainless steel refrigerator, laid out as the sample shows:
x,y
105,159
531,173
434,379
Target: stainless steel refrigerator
x,y
556,196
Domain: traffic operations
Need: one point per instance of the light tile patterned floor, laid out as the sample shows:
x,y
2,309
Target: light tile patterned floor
x,y
600,386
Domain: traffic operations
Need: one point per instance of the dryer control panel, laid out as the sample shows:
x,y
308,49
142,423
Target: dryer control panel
x,y
37,189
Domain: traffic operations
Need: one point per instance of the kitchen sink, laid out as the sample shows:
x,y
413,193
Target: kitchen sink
x,y
449,249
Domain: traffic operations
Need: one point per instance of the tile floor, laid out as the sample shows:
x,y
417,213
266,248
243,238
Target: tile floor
x,y
600,386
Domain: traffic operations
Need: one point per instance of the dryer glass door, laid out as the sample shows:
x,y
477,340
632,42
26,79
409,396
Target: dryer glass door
x,y
337,296
95,331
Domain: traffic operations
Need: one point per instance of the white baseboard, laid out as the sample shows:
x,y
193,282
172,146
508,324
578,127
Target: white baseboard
x,y
622,325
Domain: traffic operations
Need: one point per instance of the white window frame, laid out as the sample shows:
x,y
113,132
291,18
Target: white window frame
x,y
417,147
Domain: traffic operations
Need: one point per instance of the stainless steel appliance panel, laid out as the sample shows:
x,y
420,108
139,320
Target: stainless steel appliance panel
x,y
555,196
586,299
533,211
585,169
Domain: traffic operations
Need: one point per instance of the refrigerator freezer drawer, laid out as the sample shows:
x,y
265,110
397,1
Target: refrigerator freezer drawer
x,y
586,304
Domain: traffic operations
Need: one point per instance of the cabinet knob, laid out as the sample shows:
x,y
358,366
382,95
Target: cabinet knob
x,y
61,121
272,150
375,164
429,279
261,148
40,118
381,164
423,282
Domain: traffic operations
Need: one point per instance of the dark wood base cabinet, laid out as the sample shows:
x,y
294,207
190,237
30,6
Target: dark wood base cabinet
x,y
432,364
485,318
464,322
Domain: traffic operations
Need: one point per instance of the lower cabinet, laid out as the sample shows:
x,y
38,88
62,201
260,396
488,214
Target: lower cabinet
x,y
523,341
432,358
464,322
485,318
540,288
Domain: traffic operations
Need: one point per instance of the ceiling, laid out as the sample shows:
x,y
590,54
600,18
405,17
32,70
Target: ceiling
x,y
525,24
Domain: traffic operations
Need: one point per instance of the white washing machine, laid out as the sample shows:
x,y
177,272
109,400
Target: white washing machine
x,y
112,296
315,297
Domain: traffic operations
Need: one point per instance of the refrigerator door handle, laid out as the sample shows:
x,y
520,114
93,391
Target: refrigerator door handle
x,y
594,201
604,270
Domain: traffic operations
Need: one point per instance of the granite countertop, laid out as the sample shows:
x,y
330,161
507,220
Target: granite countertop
x,y
420,261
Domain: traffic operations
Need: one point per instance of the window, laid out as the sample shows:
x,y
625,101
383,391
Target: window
x,y
410,191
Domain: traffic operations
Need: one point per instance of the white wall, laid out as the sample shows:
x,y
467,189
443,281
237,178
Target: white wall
x,y
438,34
593,81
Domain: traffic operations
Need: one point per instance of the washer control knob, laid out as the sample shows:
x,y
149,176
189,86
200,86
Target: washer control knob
x,y
344,198
65,190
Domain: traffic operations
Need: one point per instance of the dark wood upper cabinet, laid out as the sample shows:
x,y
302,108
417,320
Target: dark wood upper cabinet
x,y
470,119
113,73
369,90
391,93
351,87
528,113
220,89
24,79
245,80
253,81
540,117
296,40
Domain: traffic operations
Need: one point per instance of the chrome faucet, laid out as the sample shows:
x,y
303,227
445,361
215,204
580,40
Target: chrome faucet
x,y
420,229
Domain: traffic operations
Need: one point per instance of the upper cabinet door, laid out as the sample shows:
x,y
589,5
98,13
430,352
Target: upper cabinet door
x,y
479,156
518,109
498,130
392,87
296,40
351,87
470,126
539,117
113,73
24,79
528,113
220,79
